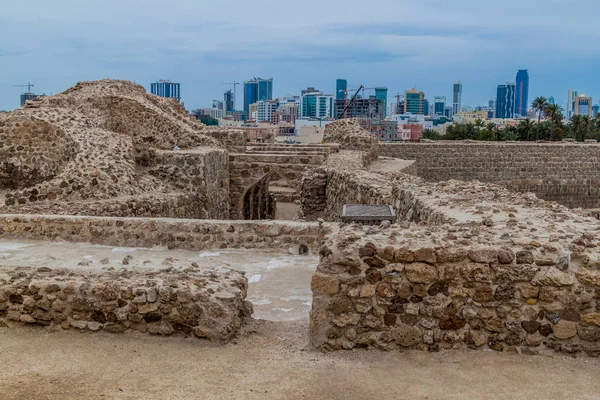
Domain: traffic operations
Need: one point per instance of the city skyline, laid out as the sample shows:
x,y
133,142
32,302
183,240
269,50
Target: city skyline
x,y
407,45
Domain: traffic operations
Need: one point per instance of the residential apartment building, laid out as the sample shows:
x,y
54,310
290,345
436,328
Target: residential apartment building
x,y
265,111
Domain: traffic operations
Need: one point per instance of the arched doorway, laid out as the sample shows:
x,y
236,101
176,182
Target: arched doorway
x,y
258,203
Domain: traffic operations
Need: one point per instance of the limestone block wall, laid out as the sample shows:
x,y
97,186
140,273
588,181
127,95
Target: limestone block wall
x,y
207,304
150,205
170,233
562,172
31,152
386,291
204,172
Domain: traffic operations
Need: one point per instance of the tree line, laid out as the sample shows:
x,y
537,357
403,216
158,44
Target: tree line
x,y
549,127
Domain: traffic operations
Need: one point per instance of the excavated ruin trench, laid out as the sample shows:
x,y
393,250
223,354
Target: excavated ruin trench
x,y
279,283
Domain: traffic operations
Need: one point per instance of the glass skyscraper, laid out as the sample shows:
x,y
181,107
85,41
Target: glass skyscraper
x,y
522,93
457,98
505,101
381,94
439,105
166,89
257,89
341,85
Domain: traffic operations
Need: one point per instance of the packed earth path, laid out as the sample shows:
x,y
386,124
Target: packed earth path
x,y
271,361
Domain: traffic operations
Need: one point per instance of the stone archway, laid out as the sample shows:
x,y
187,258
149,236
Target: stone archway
x,y
258,203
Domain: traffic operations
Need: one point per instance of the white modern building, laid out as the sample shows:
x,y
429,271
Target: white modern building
x,y
317,105
265,110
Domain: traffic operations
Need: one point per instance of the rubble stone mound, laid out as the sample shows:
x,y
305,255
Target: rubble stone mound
x,y
96,141
351,136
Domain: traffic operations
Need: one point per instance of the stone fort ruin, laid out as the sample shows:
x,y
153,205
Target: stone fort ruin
x,y
484,251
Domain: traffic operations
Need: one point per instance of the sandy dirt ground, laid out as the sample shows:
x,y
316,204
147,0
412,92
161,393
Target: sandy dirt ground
x,y
287,211
271,361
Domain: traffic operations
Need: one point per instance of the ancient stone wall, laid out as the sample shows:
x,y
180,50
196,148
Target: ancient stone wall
x,y
204,172
563,172
170,233
424,289
351,136
341,181
208,304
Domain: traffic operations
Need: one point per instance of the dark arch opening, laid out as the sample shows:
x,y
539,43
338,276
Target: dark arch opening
x,y
258,202
303,250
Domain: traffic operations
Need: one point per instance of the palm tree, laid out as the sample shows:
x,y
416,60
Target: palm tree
x,y
524,129
577,123
554,113
539,105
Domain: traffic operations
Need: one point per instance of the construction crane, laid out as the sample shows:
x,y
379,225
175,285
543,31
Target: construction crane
x,y
29,86
348,103
234,83
345,91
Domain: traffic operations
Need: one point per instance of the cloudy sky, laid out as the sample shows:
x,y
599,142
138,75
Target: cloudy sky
x,y
397,43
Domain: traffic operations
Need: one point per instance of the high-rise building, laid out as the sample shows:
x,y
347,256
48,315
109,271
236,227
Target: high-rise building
x,y
439,105
381,93
166,89
309,90
341,86
522,93
551,100
595,110
573,94
219,105
582,106
257,89
425,107
505,101
360,108
457,98
414,102
28,96
316,105
229,101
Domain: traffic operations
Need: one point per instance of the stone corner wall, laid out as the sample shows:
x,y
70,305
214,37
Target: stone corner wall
x,y
351,136
207,304
375,291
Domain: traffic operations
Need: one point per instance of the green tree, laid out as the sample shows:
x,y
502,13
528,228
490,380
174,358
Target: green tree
x,y
539,105
525,130
431,134
554,113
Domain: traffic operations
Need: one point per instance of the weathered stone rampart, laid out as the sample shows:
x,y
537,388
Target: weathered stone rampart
x,y
170,233
562,172
463,286
208,304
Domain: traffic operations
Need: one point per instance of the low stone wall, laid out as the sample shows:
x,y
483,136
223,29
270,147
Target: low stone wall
x,y
207,304
170,233
428,289
562,172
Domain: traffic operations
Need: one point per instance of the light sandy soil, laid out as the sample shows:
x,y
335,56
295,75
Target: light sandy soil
x,y
387,164
287,211
2,197
270,362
